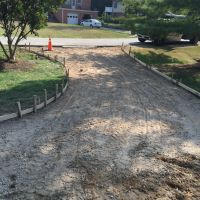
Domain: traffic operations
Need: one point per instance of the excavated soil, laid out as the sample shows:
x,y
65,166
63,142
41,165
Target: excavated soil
x,y
119,133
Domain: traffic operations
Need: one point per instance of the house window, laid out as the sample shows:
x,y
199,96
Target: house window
x,y
115,4
73,2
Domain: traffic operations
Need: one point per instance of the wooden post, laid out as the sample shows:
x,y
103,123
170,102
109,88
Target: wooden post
x,y
29,48
64,61
55,57
62,87
42,51
38,100
149,61
19,109
129,51
34,103
25,45
56,91
122,45
45,98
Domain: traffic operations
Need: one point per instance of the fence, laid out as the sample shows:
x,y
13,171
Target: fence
x,y
153,69
37,105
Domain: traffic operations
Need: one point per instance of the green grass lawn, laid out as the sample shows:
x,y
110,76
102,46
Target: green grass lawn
x,y
115,26
22,83
58,30
181,60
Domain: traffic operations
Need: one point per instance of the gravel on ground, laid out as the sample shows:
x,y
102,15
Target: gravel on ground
x,y
119,133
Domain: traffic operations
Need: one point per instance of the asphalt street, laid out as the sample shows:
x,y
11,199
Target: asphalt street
x,y
74,42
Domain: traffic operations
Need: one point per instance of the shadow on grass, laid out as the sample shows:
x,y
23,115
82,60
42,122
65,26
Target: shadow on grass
x,y
67,28
168,46
153,58
24,92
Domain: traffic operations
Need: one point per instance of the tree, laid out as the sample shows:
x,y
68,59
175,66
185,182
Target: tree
x,y
148,17
155,8
19,18
100,5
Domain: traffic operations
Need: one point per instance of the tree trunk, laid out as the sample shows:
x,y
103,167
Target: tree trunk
x,y
12,57
11,50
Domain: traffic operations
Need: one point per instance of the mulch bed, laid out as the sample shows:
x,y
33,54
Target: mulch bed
x,y
17,66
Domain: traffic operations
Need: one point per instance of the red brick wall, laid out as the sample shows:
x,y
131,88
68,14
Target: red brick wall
x,y
86,4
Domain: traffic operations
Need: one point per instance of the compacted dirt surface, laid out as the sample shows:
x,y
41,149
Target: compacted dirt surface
x,y
119,133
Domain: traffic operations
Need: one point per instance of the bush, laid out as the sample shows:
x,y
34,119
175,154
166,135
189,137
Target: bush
x,y
110,19
161,28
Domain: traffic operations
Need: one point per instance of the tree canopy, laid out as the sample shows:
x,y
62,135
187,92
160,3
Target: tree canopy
x,y
155,8
148,17
19,18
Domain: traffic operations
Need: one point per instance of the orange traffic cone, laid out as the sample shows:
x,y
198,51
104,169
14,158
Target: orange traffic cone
x,y
50,45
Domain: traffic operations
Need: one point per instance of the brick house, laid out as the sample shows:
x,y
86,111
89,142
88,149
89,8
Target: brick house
x,y
73,11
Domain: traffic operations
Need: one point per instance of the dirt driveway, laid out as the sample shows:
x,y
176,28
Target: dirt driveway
x,y
120,133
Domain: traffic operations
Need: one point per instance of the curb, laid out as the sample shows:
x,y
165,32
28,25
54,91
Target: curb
x,y
153,69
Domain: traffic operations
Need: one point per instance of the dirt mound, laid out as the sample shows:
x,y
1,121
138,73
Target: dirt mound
x,y
16,66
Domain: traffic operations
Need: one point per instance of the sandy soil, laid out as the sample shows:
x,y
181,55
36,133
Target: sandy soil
x,y
120,133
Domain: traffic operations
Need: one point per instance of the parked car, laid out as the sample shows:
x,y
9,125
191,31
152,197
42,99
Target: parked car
x,y
169,24
91,23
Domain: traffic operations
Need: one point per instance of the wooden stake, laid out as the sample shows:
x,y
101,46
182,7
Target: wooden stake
x,y
38,100
34,103
172,75
25,46
19,109
56,91
129,51
62,87
29,47
45,98
64,62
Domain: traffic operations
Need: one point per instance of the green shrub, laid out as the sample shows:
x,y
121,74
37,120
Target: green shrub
x,y
160,28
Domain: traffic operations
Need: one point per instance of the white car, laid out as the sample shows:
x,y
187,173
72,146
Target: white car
x,y
91,23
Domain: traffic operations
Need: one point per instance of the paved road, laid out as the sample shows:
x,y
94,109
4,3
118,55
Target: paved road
x,y
120,132
74,42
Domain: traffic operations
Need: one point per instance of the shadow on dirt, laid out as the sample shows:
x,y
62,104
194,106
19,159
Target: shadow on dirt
x,y
104,142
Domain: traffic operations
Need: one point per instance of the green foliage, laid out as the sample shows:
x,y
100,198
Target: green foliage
x,y
161,28
19,18
114,20
148,17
